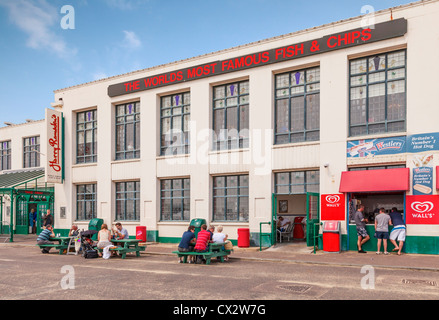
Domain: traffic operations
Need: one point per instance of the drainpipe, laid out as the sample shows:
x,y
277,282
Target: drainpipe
x,y
11,224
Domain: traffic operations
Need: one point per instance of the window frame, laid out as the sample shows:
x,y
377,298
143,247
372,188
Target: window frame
x,y
93,153
136,201
29,150
238,195
125,153
185,141
5,155
83,202
289,97
386,81
232,143
306,185
185,195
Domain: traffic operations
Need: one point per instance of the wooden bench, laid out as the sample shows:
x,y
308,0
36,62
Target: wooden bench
x,y
215,251
123,251
129,245
60,247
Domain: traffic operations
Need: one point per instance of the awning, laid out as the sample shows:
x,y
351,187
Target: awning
x,y
375,180
13,179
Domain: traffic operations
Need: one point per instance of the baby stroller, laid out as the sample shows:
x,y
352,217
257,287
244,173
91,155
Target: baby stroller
x,y
88,251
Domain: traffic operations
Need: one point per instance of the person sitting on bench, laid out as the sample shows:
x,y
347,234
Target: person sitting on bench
x,y
187,243
203,238
44,238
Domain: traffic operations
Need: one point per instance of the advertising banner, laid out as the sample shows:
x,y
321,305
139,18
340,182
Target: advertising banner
x,y
422,181
54,157
376,147
333,207
423,142
422,209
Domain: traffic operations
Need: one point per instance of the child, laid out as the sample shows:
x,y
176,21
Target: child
x,y
382,222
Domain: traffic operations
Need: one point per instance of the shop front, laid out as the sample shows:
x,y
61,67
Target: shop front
x,y
375,189
20,193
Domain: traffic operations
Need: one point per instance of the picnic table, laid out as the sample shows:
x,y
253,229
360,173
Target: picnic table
x,y
216,249
63,244
127,245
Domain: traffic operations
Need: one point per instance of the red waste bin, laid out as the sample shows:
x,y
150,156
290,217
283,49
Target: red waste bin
x,y
331,236
141,233
243,237
298,231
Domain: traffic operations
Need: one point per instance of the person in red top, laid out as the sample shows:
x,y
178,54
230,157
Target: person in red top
x,y
203,238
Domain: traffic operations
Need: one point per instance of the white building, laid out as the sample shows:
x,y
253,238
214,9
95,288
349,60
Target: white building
x,y
228,135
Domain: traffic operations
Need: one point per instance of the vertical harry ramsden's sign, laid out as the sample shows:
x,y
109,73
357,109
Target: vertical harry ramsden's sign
x,y
54,161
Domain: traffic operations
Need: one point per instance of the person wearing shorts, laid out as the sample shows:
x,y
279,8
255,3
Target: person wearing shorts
x,y
382,222
362,234
398,231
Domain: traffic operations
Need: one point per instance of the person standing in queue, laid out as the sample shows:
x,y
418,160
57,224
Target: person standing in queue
x,y
362,234
398,231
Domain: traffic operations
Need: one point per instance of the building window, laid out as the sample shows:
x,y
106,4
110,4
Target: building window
x,y
128,131
175,198
5,155
31,152
377,167
377,99
297,182
174,118
85,201
231,116
128,201
297,109
86,136
230,198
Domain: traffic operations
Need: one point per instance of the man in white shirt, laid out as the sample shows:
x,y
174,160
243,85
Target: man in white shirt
x,y
282,223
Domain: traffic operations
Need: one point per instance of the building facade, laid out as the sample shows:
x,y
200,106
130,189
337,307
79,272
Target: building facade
x,y
308,124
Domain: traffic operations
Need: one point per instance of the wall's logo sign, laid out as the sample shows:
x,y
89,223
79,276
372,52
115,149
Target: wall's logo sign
x,y
333,199
422,207
332,207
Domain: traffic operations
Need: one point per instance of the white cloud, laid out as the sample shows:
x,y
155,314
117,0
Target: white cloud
x,y
125,4
37,19
131,40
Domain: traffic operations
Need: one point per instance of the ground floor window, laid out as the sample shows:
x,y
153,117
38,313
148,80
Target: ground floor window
x,y
230,198
86,201
175,199
128,201
297,182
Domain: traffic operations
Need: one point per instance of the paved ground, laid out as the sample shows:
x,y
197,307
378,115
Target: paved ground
x,y
284,272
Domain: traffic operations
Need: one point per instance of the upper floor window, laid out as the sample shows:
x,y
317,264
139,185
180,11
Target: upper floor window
x,y
5,155
297,110
174,118
86,136
31,152
377,99
128,131
231,116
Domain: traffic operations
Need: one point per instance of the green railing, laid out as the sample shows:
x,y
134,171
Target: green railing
x,y
264,234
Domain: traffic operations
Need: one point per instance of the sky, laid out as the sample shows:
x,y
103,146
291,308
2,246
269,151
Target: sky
x,y
45,46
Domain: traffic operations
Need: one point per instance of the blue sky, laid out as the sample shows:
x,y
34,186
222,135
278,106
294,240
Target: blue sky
x,y
112,37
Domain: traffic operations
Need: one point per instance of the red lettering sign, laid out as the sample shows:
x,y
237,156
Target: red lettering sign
x,y
422,209
333,207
